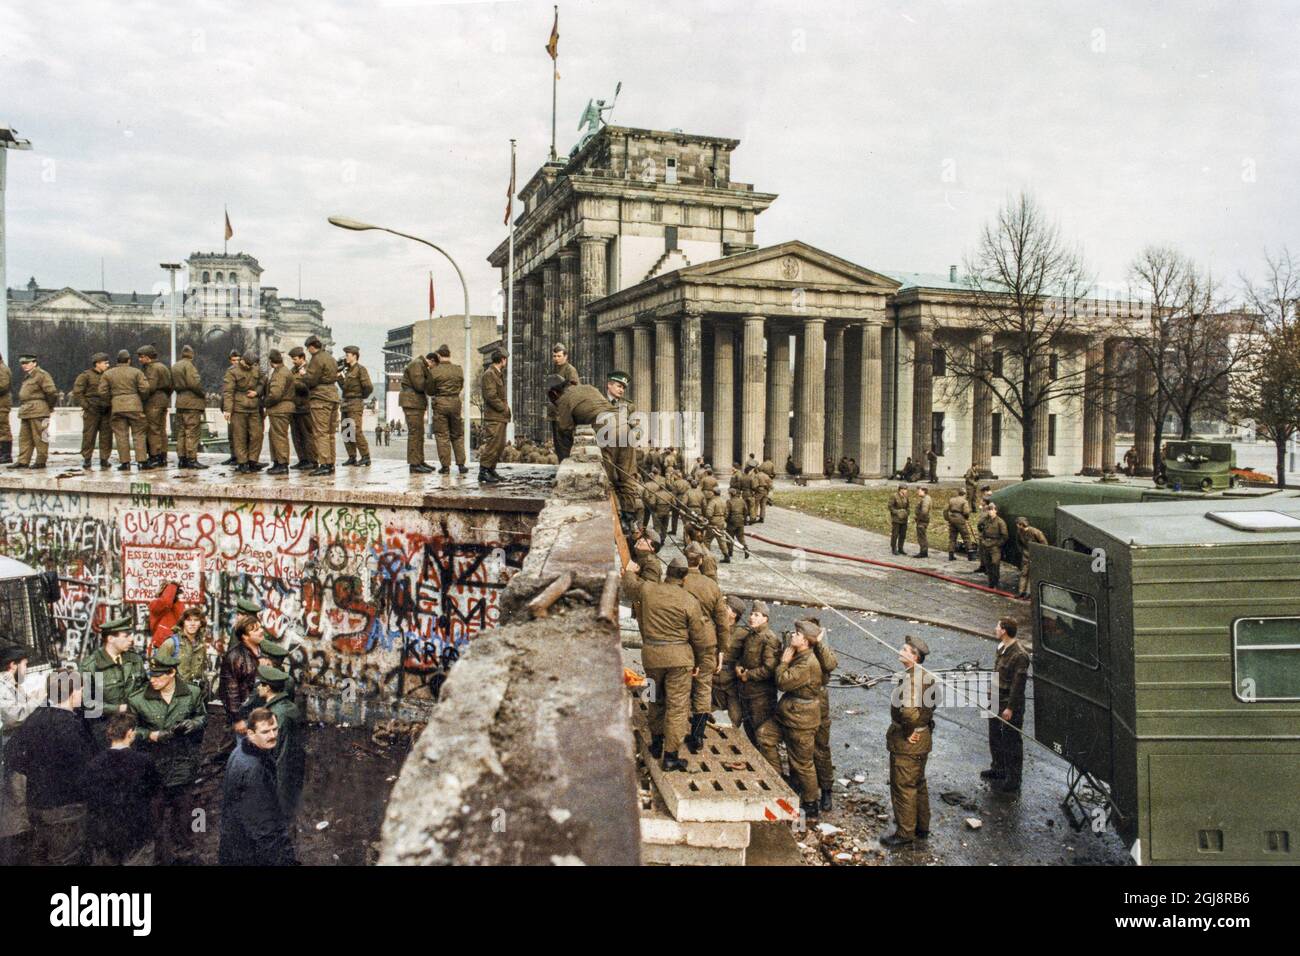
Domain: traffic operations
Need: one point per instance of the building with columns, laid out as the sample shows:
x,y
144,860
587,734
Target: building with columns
x,y
638,252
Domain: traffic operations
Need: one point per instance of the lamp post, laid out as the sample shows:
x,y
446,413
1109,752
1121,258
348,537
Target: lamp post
x,y
172,268
344,223
9,139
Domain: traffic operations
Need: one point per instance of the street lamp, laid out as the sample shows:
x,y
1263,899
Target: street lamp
x,y
345,223
172,268
9,139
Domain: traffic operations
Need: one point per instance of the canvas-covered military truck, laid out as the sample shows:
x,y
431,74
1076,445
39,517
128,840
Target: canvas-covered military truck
x,y
25,616
1167,667
1201,465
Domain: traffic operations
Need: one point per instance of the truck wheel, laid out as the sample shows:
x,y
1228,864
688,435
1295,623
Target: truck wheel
x,y
1161,481
1206,484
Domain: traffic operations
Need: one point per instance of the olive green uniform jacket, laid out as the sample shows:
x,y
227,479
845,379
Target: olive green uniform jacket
x,y
178,752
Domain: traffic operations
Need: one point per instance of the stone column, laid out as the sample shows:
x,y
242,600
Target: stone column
x,y
796,399
922,395
538,354
518,347
776,443
724,388
753,403
1038,440
692,402
623,351
665,379
869,404
592,283
812,397
581,348
833,429
1093,409
1144,426
982,410
643,367
1110,366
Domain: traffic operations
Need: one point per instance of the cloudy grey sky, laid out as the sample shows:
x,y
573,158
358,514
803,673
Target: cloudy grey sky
x,y
891,131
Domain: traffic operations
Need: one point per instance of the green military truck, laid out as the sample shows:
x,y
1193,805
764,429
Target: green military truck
x,y
1167,671
1203,465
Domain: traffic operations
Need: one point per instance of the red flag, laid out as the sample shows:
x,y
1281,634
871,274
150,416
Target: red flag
x,y
510,191
230,233
553,44
430,293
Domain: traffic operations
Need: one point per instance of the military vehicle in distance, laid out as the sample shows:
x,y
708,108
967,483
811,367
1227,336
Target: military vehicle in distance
x,y
1203,465
1167,672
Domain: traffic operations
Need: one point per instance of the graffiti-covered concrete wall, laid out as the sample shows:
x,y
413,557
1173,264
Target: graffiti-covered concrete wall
x,y
377,599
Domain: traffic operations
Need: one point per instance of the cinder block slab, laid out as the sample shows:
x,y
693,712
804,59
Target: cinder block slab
x,y
653,854
659,828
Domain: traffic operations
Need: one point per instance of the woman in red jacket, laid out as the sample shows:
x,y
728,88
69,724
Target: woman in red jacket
x,y
165,613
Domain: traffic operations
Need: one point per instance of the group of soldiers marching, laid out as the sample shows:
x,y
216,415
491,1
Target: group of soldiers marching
x,y
974,528
668,492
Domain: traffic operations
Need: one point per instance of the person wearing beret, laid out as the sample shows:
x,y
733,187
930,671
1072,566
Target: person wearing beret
x,y
354,382
118,671
37,397
172,717
908,740
95,424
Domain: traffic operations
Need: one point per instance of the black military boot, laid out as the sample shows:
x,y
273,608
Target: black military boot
x,y
672,761
125,466
105,463
307,465
992,774
197,465
951,557
365,461
232,460
464,469
811,809
278,469
695,739
146,465
352,460
256,465
488,476
657,746
321,470
826,799
85,464
6,452
444,470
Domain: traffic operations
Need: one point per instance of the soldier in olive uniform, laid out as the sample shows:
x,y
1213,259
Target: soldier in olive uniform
x,y
227,384
172,717
672,628
560,366
731,640
1011,662
321,379
446,382
993,536
1026,534
95,426
290,753
37,397
822,760
899,511
157,404
303,445
244,406
762,492
713,608
737,511
908,740
799,678
118,671
6,406
740,479
496,416
583,405
957,514
354,382
127,388
923,505
971,479
280,408
414,402
190,402
715,512
756,671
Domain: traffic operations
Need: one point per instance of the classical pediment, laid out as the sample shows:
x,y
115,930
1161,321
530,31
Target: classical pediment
x,y
69,299
794,263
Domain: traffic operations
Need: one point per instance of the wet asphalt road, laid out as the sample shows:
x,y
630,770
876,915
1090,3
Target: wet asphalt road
x,y
1029,829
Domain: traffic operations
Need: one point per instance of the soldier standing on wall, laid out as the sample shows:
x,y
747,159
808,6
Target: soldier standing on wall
x,y
95,426
321,379
354,381
414,402
227,384
244,411
303,445
156,405
38,396
496,415
447,381
127,388
6,406
560,366
190,402
280,409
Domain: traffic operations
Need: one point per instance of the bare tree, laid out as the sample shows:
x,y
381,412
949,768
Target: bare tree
x,y
1191,345
1268,394
1029,292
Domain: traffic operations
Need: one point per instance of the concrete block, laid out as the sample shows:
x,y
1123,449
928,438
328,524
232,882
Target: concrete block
x,y
659,828
675,855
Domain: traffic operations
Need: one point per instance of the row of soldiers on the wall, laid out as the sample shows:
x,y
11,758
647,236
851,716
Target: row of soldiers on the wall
x,y
110,777
974,528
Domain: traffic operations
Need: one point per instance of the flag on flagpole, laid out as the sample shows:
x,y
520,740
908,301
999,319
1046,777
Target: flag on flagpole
x,y
230,233
430,293
510,191
553,44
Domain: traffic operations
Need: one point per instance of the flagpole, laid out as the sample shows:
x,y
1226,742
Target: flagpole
x,y
555,76
225,228
510,299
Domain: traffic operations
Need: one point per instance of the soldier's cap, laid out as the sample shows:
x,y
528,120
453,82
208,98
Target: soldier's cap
x,y
808,628
558,347
312,342
115,625
651,535
759,607
352,348
123,356
921,647
1022,520
98,357
273,649
26,357
737,605
245,606
496,356
678,567
234,353
187,351
271,675
556,383
734,490
444,350
164,661
620,377
274,357
11,653
297,352
148,350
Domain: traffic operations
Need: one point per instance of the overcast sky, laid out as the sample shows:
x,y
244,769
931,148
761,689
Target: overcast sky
x,y
891,131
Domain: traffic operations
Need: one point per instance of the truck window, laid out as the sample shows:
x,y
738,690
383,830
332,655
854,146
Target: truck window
x,y
1067,624
1266,658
